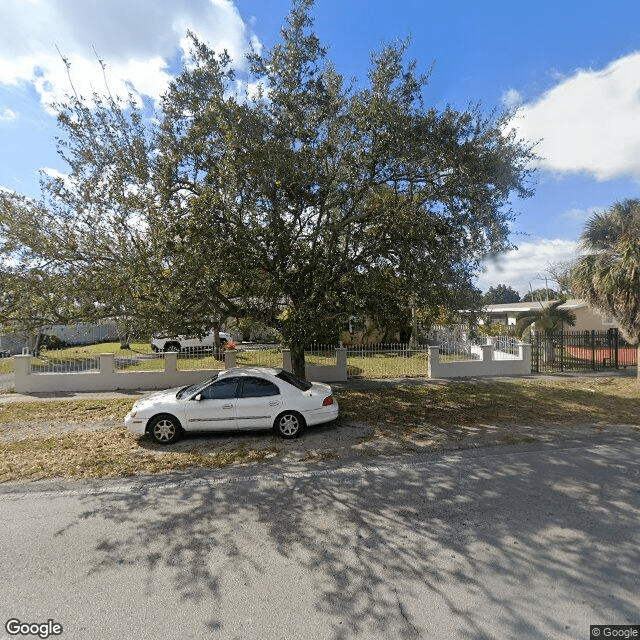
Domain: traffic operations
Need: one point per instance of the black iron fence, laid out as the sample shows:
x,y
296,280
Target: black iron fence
x,y
580,351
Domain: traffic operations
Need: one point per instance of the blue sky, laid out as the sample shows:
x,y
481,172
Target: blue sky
x,y
572,68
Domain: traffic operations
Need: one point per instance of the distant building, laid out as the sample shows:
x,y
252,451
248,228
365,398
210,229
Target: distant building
x,y
68,334
587,318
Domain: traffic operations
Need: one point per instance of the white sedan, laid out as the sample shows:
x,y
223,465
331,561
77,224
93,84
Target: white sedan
x,y
235,399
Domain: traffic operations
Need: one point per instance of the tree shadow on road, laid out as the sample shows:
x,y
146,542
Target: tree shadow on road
x,y
398,551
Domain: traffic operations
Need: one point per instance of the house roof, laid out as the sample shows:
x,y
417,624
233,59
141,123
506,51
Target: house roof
x,y
518,307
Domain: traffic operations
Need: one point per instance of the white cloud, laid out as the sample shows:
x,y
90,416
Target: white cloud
x,y
53,173
524,266
580,215
512,98
8,115
137,39
589,122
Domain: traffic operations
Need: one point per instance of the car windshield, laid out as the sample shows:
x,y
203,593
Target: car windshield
x,y
194,388
294,380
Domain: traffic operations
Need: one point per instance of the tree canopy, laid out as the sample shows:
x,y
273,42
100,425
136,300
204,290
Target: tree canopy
x,y
500,294
541,295
296,201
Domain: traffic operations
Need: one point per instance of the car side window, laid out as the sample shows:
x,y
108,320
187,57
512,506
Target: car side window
x,y
258,388
221,389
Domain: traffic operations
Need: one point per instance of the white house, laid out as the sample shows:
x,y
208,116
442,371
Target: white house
x,y
587,318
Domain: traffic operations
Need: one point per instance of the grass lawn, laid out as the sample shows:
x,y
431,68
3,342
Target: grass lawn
x,y
375,365
442,413
6,365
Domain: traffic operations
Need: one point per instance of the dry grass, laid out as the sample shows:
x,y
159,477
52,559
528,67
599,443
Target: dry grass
x,y
110,452
56,440
67,411
529,401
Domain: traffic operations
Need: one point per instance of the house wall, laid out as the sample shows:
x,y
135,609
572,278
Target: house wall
x,y
82,333
588,319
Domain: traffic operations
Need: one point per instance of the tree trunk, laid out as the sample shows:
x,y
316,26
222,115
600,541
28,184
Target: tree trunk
x,y
297,360
638,363
36,343
217,351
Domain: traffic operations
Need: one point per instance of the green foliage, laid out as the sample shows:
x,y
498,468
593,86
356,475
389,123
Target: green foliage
x,y
500,294
607,275
294,204
548,318
496,329
541,295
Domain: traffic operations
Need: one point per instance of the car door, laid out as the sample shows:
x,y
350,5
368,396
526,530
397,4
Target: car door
x,y
214,408
259,401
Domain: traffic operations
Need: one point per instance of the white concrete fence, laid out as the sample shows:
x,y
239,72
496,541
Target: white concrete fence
x,y
106,378
487,365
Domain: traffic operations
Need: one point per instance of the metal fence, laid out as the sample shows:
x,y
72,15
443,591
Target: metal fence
x,y
71,361
259,355
505,347
387,361
580,351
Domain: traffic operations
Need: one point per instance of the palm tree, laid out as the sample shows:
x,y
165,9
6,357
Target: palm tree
x,y
607,276
550,318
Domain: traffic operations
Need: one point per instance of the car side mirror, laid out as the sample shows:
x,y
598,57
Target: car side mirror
x,y
198,397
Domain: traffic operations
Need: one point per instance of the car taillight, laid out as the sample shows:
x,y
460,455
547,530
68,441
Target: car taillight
x,y
327,401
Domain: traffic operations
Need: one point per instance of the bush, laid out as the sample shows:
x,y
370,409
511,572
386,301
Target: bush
x,y
51,342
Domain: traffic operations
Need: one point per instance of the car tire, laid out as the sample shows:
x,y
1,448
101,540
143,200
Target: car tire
x,y
164,429
289,424
172,346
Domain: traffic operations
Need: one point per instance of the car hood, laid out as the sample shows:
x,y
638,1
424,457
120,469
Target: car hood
x,y
166,395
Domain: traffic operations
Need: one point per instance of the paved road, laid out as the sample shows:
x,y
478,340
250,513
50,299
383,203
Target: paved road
x,y
502,543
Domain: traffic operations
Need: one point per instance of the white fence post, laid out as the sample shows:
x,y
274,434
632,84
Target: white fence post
x,y
22,368
286,360
170,362
524,350
107,363
434,362
341,363
229,359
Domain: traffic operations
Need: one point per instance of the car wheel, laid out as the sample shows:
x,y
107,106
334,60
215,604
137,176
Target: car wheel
x,y
165,429
172,346
289,424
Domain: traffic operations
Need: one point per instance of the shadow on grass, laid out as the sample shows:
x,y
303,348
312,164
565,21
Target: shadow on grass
x,y
517,402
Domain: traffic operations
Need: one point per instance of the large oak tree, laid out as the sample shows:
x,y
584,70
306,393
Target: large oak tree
x,y
297,201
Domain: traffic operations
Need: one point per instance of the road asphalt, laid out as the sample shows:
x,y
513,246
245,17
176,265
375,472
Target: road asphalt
x,y
523,542
532,541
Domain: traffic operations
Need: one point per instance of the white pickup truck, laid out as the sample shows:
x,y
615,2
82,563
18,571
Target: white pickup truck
x,y
183,343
